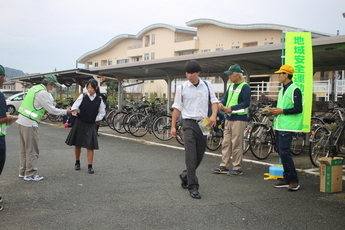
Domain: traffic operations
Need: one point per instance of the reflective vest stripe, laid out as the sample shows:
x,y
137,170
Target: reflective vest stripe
x,y
3,129
29,113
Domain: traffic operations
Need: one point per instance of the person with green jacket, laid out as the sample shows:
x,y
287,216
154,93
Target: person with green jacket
x,y
235,105
288,118
36,102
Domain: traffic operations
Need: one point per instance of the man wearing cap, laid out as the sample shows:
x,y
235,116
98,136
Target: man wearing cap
x,y
33,107
288,118
235,105
4,121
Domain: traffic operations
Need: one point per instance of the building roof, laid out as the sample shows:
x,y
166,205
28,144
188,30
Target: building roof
x,y
66,77
114,41
256,26
107,46
177,29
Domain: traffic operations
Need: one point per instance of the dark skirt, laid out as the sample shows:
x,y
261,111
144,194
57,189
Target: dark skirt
x,y
83,135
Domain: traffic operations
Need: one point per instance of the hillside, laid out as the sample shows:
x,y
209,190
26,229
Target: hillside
x,y
13,72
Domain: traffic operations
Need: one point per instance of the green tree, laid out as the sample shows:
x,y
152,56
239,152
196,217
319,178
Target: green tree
x,y
112,88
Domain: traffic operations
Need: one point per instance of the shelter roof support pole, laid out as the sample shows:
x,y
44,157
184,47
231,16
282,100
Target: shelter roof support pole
x,y
169,80
119,93
225,81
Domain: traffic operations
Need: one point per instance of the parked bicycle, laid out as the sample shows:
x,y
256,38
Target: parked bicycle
x,y
262,139
139,124
327,141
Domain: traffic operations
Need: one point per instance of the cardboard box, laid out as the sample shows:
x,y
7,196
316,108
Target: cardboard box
x,y
331,174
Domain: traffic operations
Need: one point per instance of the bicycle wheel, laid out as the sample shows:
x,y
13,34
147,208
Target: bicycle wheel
x,y
261,141
297,144
44,117
246,136
315,122
320,148
214,140
179,135
109,118
125,122
118,122
161,128
138,125
54,118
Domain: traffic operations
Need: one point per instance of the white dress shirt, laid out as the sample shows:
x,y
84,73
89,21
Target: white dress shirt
x,y
194,101
101,109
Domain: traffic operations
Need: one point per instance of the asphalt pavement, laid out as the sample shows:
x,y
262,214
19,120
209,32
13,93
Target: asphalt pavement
x,y
136,185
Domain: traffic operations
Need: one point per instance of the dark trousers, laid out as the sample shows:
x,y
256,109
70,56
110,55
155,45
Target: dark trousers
x,y
2,159
195,146
2,153
284,140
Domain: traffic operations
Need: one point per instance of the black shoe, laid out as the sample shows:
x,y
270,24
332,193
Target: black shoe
x,y
77,167
1,207
91,171
195,194
184,183
0,198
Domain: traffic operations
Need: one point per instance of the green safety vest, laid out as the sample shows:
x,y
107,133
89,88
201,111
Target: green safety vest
x,y
27,107
290,122
233,96
3,129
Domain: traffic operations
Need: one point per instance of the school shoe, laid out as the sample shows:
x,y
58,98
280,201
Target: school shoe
x,y
195,194
184,183
91,171
77,167
293,186
235,173
21,176
33,178
220,169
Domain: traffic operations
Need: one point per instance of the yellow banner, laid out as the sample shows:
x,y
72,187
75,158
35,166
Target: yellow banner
x,y
299,54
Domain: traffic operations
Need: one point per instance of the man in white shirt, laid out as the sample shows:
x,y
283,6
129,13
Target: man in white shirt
x,y
33,107
192,99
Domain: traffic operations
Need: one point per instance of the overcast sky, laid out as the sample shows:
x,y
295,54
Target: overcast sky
x,y
41,36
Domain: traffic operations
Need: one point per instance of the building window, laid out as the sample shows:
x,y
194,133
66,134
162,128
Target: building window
x,y
185,53
219,49
122,61
235,47
96,64
147,40
205,51
153,39
146,56
135,59
268,43
250,44
152,55
110,62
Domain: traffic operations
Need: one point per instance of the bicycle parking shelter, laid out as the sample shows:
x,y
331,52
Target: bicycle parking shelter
x,y
328,55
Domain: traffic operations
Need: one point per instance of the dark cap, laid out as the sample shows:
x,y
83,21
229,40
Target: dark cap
x,y
234,69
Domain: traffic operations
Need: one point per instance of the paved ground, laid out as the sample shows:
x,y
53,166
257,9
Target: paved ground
x,y
136,186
